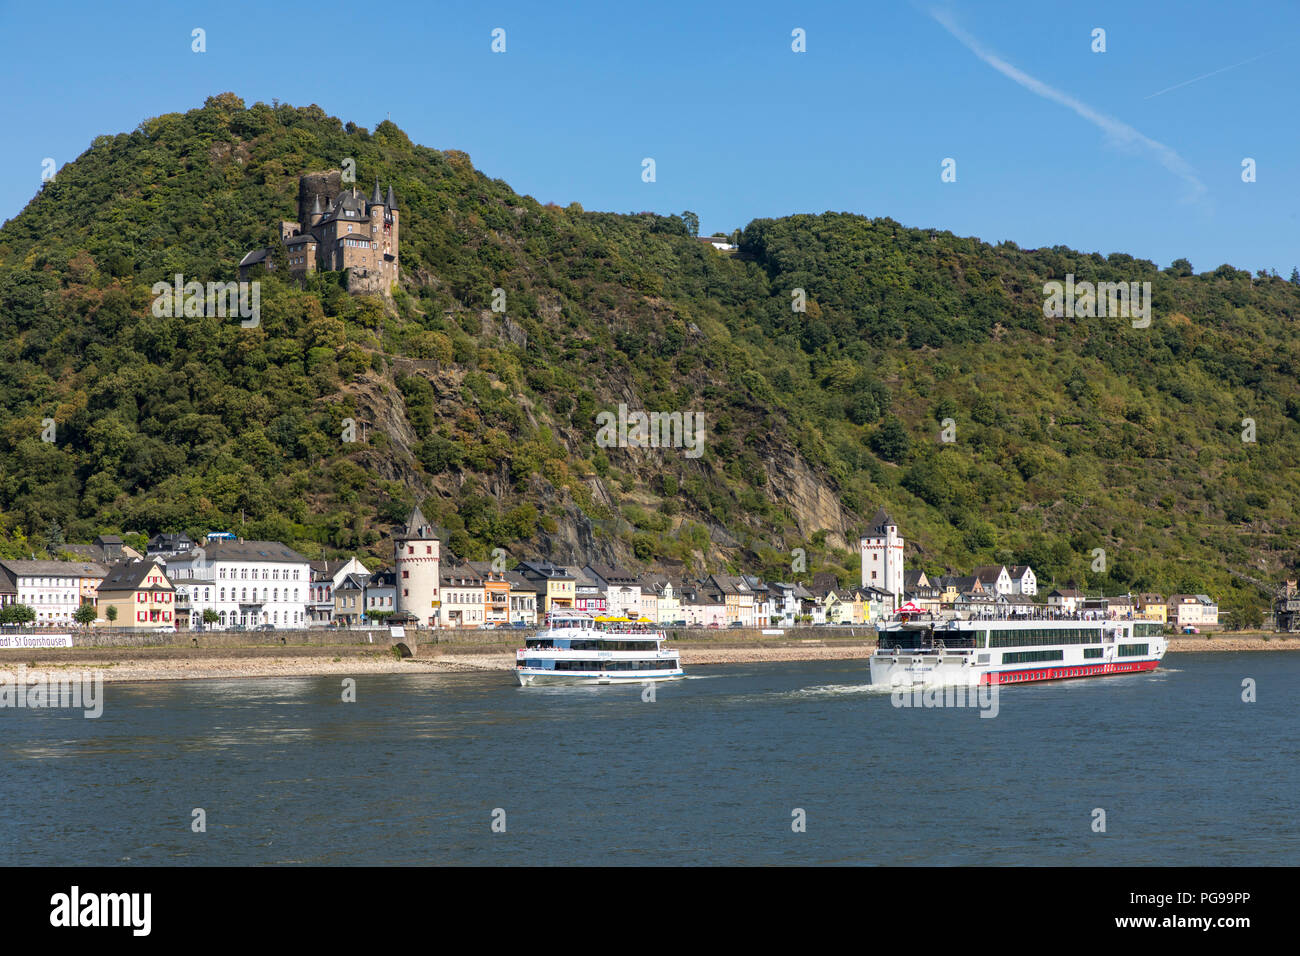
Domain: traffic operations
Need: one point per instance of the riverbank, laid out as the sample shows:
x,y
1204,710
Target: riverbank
x,y
190,663
178,663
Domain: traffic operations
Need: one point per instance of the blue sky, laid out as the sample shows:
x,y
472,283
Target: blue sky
x,y
1074,149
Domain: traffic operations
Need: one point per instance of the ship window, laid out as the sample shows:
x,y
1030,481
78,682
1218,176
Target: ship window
x,y
1032,657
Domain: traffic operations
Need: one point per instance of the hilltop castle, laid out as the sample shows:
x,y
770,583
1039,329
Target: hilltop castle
x,y
338,229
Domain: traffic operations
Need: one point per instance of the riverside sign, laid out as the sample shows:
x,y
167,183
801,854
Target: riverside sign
x,y
35,640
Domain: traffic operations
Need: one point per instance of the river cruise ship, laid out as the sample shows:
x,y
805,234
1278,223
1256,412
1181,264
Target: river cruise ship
x,y
917,649
577,648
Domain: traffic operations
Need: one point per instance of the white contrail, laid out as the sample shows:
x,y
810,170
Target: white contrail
x,y
1211,73
1119,131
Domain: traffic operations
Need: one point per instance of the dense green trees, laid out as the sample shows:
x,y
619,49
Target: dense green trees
x,y
1065,434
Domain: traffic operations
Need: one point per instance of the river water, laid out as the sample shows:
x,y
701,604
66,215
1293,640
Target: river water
x,y
798,763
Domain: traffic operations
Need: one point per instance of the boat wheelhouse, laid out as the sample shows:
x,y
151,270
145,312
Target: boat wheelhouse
x,y
921,650
577,648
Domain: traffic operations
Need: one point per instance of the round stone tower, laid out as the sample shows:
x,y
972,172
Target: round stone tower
x,y
416,561
313,187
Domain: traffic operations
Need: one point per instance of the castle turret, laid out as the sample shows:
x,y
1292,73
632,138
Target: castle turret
x,y
391,237
416,561
376,212
315,212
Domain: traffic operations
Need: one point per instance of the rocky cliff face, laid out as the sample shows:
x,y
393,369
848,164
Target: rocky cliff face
x,y
591,529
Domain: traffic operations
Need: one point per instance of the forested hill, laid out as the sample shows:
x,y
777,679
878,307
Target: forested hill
x,y
1071,434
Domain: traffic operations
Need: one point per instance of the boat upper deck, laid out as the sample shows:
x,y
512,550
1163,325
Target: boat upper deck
x,y
925,632
622,626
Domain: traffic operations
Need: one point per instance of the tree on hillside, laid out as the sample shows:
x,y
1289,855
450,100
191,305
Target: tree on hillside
x,y
692,223
890,442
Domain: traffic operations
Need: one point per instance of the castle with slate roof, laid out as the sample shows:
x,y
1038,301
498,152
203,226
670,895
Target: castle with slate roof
x,y
338,229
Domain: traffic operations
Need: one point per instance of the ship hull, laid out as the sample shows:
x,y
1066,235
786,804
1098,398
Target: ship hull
x,y
538,678
888,671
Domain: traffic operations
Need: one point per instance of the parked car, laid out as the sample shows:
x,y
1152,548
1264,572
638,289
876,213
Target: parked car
x,y
165,629
736,624
265,627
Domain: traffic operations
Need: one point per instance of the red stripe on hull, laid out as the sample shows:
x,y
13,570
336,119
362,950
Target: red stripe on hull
x,y
1067,673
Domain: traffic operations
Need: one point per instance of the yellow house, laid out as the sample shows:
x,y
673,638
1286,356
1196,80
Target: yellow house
x,y
838,609
1153,607
859,606
142,594
560,593
736,597
661,601
557,587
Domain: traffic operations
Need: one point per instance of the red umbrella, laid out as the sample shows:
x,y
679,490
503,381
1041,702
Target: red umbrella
x,y
910,608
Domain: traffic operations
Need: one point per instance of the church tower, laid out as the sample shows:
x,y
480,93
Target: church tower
x,y
882,556
416,558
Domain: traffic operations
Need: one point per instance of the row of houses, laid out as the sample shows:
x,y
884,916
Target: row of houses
x,y
1002,590
266,584
228,582
984,593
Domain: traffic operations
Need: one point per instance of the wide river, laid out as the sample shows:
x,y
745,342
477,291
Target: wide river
x,y
742,764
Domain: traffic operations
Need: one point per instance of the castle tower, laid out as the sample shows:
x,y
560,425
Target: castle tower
x,y
377,232
316,212
416,559
882,556
316,186
391,237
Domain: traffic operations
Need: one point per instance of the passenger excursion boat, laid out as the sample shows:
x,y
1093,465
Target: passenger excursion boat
x,y
921,650
576,648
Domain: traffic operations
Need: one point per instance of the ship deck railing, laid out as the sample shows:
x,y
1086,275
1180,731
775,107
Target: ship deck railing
x,y
885,645
1010,615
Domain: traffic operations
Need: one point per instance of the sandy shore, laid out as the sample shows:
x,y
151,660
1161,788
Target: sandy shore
x,y
183,664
